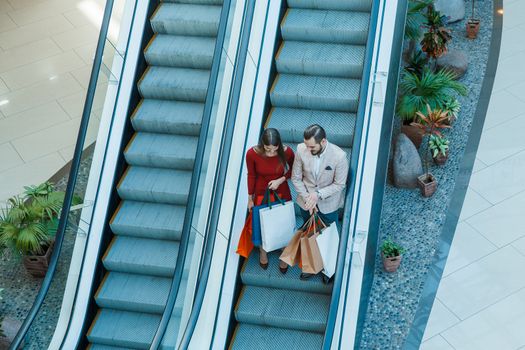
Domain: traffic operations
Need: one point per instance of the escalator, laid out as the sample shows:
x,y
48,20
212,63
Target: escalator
x,y
147,226
319,65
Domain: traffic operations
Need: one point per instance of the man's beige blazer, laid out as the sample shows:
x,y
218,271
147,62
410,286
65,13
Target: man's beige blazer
x,y
330,182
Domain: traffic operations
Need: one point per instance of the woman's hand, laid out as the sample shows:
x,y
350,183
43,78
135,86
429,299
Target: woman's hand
x,y
274,184
250,203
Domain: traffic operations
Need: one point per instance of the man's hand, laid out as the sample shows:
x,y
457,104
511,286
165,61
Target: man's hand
x,y
311,201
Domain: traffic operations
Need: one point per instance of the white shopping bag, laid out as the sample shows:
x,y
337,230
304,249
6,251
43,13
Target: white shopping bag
x,y
277,225
328,242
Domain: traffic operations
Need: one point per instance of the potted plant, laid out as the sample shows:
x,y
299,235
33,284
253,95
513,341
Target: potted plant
x,y
435,40
432,88
452,106
391,255
414,22
429,125
416,63
29,223
473,24
439,149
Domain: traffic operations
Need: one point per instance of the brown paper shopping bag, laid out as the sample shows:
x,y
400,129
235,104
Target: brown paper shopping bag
x,y
311,259
291,255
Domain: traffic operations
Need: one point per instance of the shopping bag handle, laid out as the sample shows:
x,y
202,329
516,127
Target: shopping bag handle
x,y
266,198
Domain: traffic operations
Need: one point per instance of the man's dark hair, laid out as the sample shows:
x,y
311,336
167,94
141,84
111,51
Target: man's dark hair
x,y
316,131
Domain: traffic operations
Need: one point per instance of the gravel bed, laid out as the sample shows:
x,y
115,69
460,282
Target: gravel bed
x,y
20,288
417,222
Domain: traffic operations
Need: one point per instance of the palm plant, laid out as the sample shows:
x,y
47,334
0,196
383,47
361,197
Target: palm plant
x,y
415,18
431,88
435,40
28,223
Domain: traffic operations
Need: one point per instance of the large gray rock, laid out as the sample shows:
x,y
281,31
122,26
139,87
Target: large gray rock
x,y
454,60
407,163
454,9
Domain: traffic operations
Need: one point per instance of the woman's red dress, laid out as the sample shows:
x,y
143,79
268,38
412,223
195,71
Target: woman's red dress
x,y
262,170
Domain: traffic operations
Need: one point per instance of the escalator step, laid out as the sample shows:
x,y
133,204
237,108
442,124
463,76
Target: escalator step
x,y
162,151
156,185
283,309
105,347
326,26
141,256
335,60
149,220
253,275
168,83
131,292
186,19
311,92
291,123
171,117
256,337
123,329
347,5
202,2
180,51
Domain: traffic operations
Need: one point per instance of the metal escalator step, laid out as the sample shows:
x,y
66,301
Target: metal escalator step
x,y
253,275
105,347
347,5
291,123
141,256
131,292
123,329
170,117
256,337
155,185
186,19
335,60
162,151
180,51
283,308
311,92
326,26
149,220
169,83
202,2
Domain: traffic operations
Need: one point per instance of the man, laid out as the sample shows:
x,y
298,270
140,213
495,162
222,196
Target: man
x,y
319,176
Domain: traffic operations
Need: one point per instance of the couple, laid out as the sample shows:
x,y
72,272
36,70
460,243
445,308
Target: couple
x,y
318,172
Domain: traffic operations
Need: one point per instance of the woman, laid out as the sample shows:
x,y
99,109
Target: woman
x,y
269,166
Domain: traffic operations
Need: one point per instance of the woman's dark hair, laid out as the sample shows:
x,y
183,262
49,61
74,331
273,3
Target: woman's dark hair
x,y
316,131
271,137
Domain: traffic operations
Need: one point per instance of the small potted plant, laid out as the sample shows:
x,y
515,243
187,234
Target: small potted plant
x,y
430,124
391,255
439,149
452,106
473,24
29,223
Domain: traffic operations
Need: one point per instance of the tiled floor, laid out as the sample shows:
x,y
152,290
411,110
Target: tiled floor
x,y
481,298
46,50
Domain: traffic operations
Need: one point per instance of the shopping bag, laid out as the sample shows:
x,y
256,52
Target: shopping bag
x,y
291,255
245,246
256,219
328,243
311,261
277,225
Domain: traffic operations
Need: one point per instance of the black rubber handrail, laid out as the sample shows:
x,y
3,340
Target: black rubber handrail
x,y
220,180
349,197
195,178
73,174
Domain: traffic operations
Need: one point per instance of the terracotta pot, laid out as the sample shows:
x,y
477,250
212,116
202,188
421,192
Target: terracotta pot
x,y
427,184
441,159
37,265
413,133
472,28
391,264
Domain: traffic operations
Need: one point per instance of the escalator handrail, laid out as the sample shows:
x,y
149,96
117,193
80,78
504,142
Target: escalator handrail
x,y
220,179
73,174
349,197
194,185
